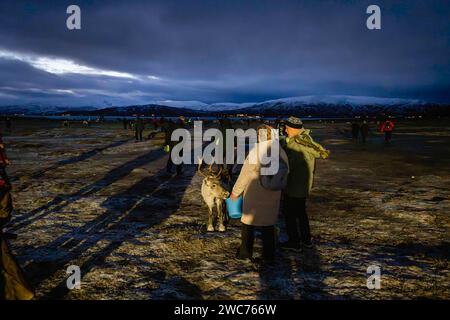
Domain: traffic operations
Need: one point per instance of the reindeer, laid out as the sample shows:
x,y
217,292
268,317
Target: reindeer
x,y
213,193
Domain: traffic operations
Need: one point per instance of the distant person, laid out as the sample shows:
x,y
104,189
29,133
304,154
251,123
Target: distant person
x,y
387,127
155,129
8,124
281,127
4,161
364,131
138,129
355,130
155,124
170,127
277,121
13,285
302,152
125,123
260,205
65,124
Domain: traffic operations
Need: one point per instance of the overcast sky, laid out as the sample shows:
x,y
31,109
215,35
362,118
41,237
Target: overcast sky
x,y
132,52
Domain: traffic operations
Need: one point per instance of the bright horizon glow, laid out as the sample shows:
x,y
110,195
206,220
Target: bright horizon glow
x,y
154,78
60,65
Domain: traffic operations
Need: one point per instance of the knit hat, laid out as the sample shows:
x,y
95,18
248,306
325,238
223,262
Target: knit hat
x,y
294,122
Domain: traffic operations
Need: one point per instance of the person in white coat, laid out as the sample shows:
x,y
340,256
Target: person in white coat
x,y
260,206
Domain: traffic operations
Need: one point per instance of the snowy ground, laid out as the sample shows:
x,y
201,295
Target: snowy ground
x,y
93,197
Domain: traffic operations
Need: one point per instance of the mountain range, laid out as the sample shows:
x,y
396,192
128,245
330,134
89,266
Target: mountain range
x,y
327,105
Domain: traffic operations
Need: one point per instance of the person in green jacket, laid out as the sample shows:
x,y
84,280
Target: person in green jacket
x,y
302,153
139,127
169,128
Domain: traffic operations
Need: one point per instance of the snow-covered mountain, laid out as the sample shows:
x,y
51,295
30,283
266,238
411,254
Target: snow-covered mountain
x,y
340,105
342,100
37,109
227,106
190,104
201,106
314,105
142,110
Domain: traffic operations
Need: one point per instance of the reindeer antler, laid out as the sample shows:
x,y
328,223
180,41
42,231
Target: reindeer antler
x,y
218,174
210,171
200,160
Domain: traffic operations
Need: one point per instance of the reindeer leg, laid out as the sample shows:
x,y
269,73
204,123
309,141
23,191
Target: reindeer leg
x,y
220,215
210,227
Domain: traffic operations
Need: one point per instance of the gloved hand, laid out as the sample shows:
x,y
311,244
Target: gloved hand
x,y
325,154
167,148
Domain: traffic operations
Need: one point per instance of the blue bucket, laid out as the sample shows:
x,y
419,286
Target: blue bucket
x,y
234,208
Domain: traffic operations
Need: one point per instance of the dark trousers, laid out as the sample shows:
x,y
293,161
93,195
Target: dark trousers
x,y
297,222
248,239
4,175
170,163
138,135
387,136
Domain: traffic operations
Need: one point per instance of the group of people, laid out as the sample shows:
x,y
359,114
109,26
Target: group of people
x,y
261,205
362,129
139,124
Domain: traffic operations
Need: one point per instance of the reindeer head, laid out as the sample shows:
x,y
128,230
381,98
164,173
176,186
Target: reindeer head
x,y
213,182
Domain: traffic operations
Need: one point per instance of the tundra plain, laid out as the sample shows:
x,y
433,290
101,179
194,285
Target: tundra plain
x,y
92,197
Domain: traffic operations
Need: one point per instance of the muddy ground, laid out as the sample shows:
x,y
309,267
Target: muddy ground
x,y
93,197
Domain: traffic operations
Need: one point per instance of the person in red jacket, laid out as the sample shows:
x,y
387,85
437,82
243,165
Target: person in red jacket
x,y
13,283
387,127
4,161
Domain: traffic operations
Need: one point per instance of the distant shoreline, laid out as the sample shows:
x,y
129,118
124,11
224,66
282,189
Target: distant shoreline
x,y
114,118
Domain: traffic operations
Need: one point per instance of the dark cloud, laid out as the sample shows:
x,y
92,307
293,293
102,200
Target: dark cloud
x,y
215,50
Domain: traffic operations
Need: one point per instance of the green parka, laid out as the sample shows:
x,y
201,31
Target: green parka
x,y
302,152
